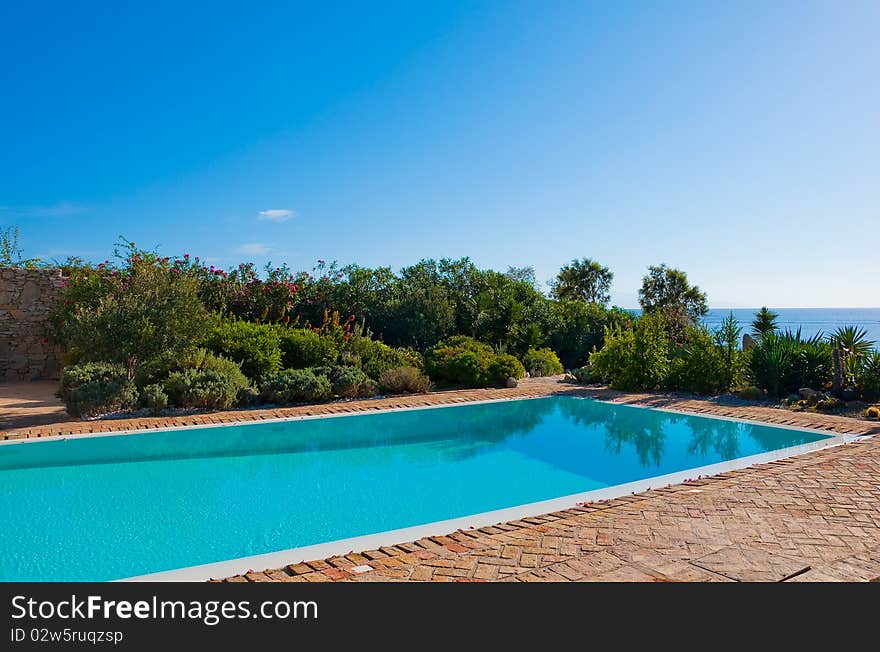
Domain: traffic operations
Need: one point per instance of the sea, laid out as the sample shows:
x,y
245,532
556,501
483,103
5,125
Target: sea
x,y
811,321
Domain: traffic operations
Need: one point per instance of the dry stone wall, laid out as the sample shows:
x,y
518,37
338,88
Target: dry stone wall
x,y
26,299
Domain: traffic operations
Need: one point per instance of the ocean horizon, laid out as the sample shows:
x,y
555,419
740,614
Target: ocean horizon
x,y
811,321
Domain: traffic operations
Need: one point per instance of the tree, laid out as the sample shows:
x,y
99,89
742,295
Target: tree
x,y
584,280
666,290
522,275
764,322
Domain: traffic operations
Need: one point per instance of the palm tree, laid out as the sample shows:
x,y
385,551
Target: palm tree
x,y
765,322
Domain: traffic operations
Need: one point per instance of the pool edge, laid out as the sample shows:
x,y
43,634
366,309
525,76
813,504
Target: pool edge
x,y
340,547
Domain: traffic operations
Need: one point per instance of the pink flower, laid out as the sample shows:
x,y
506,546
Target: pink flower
x,y
186,256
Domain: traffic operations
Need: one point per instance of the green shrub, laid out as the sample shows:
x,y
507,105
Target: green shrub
x,y
585,374
351,382
405,380
302,348
96,388
542,362
750,393
699,366
375,357
248,396
208,388
782,363
154,398
463,367
296,386
256,347
462,360
503,367
634,359
868,377
575,329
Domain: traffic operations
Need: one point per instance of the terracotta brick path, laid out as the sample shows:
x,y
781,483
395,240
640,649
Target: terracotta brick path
x,y
814,517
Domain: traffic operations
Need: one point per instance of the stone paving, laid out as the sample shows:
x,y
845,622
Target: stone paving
x,y
27,404
813,517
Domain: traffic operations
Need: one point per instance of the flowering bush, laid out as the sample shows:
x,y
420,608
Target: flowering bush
x,y
133,314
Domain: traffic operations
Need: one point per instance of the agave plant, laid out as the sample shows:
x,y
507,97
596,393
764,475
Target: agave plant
x,y
868,377
852,340
782,363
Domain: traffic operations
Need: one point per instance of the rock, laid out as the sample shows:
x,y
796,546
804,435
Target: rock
x,y
810,394
748,342
849,394
30,293
511,382
528,375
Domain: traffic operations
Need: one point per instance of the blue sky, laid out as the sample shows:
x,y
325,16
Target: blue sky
x,y
737,141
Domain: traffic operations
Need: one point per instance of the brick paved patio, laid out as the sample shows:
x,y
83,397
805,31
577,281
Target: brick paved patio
x,y
814,517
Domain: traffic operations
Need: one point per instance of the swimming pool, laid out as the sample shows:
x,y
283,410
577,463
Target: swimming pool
x,y
99,508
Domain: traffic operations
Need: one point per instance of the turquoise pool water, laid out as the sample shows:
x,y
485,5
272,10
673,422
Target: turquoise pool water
x,y
112,507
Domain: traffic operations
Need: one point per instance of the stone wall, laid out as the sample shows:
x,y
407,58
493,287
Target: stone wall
x,y
26,298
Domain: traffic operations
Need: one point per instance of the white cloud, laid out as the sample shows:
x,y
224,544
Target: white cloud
x,y
253,249
276,215
58,209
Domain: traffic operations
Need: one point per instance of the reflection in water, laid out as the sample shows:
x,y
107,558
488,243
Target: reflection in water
x,y
722,437
623,427
646,431
628,428
459,432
